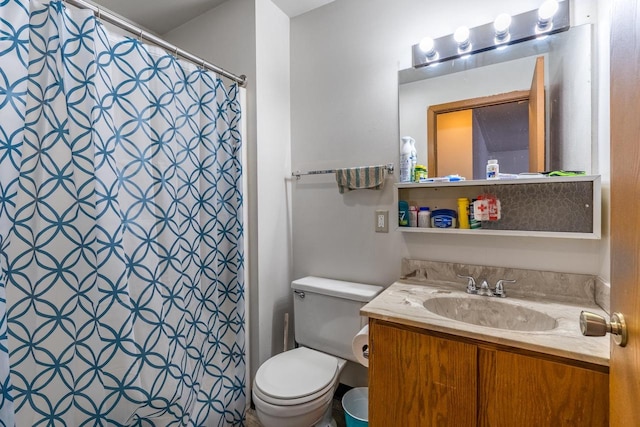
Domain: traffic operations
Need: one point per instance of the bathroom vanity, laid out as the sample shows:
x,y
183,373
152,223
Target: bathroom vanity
x,y
421,378
434,361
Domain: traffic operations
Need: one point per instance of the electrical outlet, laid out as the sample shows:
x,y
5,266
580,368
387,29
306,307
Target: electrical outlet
x,y
382,221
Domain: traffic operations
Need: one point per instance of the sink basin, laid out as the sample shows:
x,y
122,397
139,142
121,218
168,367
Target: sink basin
x,y
493,313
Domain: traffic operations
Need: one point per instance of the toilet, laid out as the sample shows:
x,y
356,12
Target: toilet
x,y
295,388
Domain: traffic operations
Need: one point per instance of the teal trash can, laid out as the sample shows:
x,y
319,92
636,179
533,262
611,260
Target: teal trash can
x,y
355,403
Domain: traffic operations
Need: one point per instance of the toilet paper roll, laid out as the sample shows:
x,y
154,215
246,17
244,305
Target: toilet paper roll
x,y
360,346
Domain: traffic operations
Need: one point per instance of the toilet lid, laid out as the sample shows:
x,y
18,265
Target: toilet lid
x,y
296,373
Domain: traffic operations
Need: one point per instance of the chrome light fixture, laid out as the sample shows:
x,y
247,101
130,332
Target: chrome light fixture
x,y
552,17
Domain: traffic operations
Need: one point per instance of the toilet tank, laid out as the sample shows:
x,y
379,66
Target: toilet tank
x,y
327,313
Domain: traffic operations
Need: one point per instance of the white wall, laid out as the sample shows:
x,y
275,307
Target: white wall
x,y
601,147
345,57
274,166
570,80
224,36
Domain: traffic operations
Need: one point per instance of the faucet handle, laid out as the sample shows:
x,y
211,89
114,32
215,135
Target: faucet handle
x,y
471,284
499,290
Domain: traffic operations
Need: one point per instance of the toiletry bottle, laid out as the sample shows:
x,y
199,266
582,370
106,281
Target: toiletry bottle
x,y
420,173
414,158
463,212
403,213
494,208
413,216
424,217
473,222
493,169
405,159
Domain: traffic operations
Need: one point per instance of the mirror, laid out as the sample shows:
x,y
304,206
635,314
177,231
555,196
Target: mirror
x,y
463,135
567,93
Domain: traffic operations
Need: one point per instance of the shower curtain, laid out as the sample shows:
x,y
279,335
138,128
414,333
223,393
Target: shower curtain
x,y
121,281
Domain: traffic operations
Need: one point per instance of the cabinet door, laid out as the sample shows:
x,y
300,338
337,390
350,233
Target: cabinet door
x,y
535,392
420,380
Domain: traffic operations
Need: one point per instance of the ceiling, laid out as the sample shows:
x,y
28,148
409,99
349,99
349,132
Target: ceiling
x,y
161,16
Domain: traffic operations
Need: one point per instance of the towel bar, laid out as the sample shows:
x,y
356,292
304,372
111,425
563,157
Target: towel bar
x,y
298,174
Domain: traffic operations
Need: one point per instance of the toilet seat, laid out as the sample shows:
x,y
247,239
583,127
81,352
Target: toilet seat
x,y
296,377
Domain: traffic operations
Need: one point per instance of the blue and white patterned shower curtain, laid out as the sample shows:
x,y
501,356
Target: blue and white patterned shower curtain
x,y
121,282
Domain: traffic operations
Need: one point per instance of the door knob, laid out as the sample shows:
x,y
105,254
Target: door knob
x,y
594,325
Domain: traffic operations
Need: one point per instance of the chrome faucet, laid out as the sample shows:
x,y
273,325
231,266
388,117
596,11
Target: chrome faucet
x,y
499,290
471,284
485,289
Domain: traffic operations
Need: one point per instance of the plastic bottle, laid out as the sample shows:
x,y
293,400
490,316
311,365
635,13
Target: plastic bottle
x,y
414,158
493,169
405,159
463,212
419,173
413,216
424,217
473,222
403,213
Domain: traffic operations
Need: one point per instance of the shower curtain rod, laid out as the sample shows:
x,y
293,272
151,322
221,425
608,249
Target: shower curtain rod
x,y
105,15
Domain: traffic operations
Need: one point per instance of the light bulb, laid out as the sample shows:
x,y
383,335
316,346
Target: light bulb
x,y
502,23
427,46
461,36
545,16
547,10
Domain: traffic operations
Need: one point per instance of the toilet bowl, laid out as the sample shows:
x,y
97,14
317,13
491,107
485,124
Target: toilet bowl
x,y
295,388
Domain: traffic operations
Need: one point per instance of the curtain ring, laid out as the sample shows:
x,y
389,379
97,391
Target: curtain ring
x,y
140,35
204,67
99,14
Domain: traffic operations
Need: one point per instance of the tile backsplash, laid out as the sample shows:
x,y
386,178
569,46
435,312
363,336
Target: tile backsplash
x,y
562,287
603,294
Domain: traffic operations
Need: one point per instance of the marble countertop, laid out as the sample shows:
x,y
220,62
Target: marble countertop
x,y
402,303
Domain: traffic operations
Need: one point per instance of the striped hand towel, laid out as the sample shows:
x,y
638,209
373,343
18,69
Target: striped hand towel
x,y
367,177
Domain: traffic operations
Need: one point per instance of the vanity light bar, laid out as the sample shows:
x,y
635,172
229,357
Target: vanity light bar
x,y
523,27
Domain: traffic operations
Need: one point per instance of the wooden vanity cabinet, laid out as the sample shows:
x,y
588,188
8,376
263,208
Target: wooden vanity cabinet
x,y
422,379
419,380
